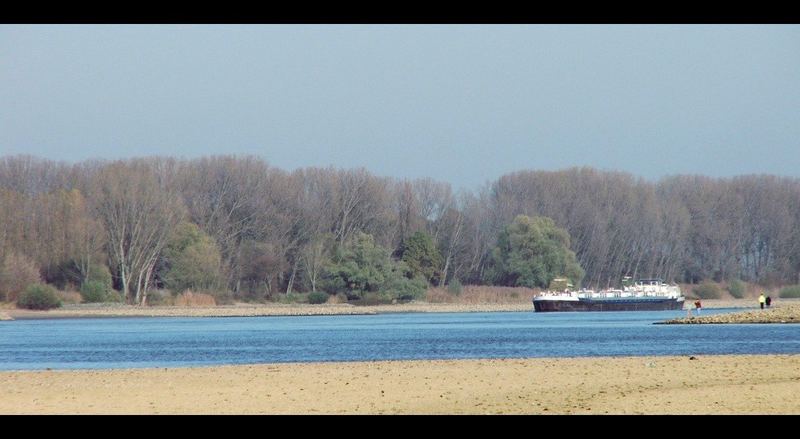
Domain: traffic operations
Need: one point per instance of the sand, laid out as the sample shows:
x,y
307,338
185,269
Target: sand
x,y
276,309
747,384
247,310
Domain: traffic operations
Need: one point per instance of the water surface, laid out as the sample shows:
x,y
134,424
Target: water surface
x,y
89,343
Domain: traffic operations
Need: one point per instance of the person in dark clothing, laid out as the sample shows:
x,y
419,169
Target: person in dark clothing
x,y
769,301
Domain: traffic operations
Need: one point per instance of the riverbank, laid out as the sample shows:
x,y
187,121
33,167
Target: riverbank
x,y
786,312
304,309
250,310
638,385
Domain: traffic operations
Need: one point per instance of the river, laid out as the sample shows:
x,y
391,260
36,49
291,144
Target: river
x,y
100,343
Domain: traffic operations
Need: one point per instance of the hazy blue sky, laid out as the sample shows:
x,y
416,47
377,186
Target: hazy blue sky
x,y
459,103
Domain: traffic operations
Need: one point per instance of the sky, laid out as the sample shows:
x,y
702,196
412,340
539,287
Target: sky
x,y
463,104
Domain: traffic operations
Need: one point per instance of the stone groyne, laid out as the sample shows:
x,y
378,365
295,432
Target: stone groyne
x,y
781,314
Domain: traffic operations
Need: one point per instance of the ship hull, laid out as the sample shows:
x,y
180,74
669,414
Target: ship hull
x,y
607,305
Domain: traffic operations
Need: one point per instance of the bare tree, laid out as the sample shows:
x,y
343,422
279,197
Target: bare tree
x,y
138,210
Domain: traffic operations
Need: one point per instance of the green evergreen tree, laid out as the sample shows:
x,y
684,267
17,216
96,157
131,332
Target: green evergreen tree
x,y
361,266
423,259
531,252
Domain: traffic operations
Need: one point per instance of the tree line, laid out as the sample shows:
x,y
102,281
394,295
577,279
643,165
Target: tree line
x,y
238,225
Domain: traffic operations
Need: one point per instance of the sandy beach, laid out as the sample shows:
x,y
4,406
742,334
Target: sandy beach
x,y
249,310
748,384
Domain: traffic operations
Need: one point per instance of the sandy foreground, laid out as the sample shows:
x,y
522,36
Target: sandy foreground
x,y
747,384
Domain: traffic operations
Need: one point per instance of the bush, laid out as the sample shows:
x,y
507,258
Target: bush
x,y
17,272
792,292
736,288
94,291
100,273
371,299
71,297
39,296
405,289
115,296
317,297
222,296
292,298
707,290
455,287
160,298
190,298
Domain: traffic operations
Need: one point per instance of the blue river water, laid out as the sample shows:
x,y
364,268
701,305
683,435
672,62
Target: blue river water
x,y
174,342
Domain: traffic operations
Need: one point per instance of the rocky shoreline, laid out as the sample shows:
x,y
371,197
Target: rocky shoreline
x,y
789,313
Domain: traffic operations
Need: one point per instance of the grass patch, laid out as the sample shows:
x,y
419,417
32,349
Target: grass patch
x,y
706,290
792,292
479,294
192,299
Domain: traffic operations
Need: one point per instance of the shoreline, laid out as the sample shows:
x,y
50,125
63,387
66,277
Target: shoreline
x,y
713,384
277,309
784,313
260,310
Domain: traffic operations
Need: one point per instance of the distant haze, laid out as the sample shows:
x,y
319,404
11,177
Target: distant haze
x,y
462,104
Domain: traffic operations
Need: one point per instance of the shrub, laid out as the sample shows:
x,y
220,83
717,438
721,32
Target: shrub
x,y
115,296
736,288
480,294
317,297
455,287
100,273
405,289
222,296
39,296
71,297
94,291
792,292
189,298
292,298
17,272
371,299
707,290
159,298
